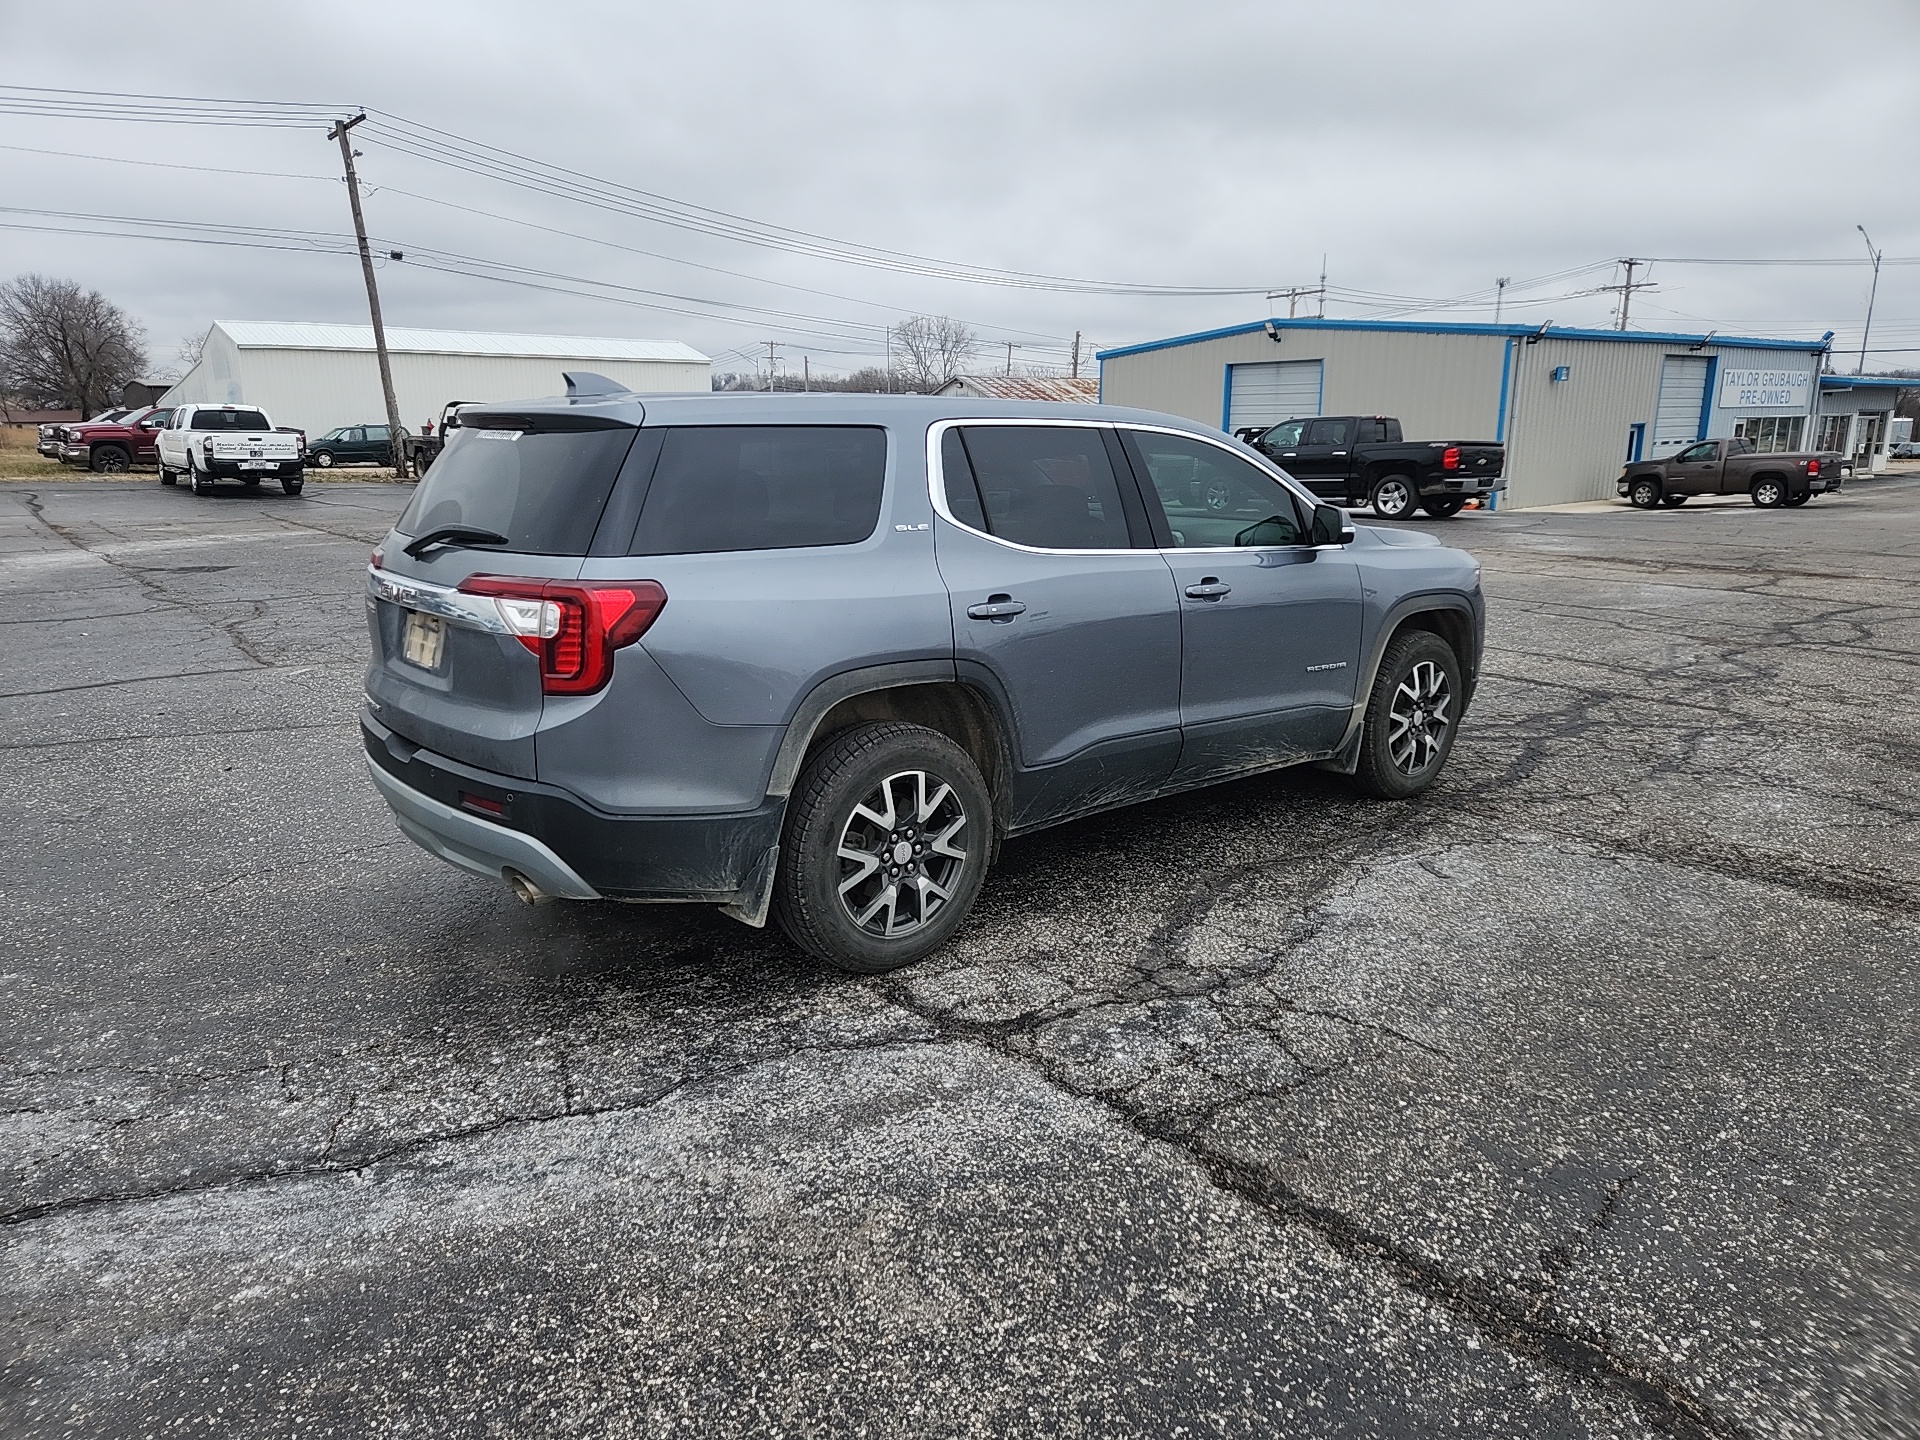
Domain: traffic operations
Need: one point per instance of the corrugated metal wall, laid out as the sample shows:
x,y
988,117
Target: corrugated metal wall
x,y
319,389
1566,439
1443,387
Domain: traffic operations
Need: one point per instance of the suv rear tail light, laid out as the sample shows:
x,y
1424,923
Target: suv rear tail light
x,y
1450,458
573,627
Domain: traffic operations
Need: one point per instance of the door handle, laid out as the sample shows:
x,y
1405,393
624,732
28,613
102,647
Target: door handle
x,y
998,608
1208,589
1341,453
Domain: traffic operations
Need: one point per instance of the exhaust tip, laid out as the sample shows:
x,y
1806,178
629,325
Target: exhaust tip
x,y
524,889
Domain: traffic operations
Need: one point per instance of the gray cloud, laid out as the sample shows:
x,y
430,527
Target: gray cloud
x,y
1423,148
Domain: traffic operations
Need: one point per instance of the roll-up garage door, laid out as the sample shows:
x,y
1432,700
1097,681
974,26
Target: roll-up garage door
x,y
1683,392
1268,392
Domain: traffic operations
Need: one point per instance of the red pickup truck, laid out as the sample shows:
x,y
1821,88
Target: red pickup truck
x,y
113,446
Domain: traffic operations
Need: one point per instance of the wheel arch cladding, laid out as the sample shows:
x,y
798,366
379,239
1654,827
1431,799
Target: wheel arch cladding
x,y
1455,628
958,711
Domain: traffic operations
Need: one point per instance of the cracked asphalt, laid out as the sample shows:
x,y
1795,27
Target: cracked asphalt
x,y
1576,1098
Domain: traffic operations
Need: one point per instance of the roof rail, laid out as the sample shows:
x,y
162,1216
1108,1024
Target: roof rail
x,y
585,382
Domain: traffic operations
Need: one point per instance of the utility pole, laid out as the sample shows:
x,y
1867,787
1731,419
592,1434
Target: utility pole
x,y
1322,314
347,152
1009,357
1295,293
806,374
772,361
1076,355
1499,295
1626,290
889,359
1873,291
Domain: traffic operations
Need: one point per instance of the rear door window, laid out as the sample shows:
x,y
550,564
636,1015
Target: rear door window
x,y
1326,432
1051,487
762,487
539,480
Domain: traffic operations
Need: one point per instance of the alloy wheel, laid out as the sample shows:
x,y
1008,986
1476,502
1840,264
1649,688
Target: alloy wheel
x,y
1419,717
902,854
1393,499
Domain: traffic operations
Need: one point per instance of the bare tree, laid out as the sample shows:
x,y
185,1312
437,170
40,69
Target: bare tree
x,y
931,349
62,345
187,353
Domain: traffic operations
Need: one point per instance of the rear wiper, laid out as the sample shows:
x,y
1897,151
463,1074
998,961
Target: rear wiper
x,y
453,535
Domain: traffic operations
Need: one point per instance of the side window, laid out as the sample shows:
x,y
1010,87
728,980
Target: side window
x,y
956,473
1693,453
1051,487
1285,436
376,432
1213,499
1373,432
1326,432
762,487
354,437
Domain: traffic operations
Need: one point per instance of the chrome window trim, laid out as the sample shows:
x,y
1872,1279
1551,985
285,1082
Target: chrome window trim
x,y
937,484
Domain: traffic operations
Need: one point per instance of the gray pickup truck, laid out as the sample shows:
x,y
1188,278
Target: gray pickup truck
x,y
1732,467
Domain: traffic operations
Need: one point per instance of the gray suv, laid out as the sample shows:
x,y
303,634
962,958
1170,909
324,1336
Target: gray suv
x,y
816,656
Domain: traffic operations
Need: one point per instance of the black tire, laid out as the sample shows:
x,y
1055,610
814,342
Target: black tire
x,y
1794,502
1394,497
1398,762
294,487
1768,492
322,458
169,477
1444,507
1645,493
827,809
110,460
202,482
1673,501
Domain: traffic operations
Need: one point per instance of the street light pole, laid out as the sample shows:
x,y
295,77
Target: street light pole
x,y
1872,291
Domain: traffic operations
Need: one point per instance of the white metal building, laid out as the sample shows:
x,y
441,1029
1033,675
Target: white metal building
x,y
1571,406
319,376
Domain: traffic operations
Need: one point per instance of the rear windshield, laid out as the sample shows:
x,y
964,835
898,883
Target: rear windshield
x,y
762,487
540,486
230,420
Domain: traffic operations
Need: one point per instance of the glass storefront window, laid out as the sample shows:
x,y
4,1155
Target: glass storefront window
x,y
1770,434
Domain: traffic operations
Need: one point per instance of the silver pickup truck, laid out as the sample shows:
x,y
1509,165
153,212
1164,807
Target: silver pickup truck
x,y
205,444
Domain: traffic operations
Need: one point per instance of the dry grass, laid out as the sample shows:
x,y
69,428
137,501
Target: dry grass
x,y
19,460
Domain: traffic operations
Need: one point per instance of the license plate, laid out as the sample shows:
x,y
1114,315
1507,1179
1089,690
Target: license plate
x,y
424,640
259,464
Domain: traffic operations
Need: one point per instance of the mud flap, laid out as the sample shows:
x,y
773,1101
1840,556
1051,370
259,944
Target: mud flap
x,y
1346,759
750,904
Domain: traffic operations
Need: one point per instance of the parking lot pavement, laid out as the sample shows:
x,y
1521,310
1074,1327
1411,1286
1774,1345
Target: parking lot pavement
x,y
1576,1098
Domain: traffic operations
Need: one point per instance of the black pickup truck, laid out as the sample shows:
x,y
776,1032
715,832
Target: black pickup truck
x,y
1362,460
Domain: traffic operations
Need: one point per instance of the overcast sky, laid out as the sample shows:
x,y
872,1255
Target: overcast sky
x,y
1423,148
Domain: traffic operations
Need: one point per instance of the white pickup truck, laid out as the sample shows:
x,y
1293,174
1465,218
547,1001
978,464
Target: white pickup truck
x,y
204,444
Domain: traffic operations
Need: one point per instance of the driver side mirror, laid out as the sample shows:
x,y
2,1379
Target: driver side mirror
x,y
1331,526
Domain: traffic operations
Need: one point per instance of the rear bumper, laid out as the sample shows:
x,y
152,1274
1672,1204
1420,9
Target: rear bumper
x,y
564,846
1464,485
475,844
235,469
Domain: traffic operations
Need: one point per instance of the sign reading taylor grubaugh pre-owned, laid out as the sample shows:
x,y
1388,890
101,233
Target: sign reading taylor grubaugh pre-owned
x,y
1766,390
